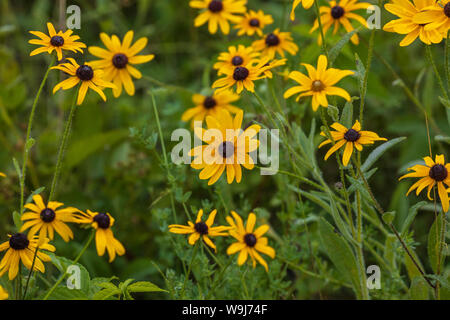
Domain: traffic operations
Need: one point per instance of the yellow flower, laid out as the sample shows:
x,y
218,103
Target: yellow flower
x,y
89,77
56,41
273,64
340,14
243,76
201,229
2,175
117,60
253,22
46,219
249,242
210,105
235,57
432,173
275,42
306,5
104,237
351,138
319,83
218,13
435,17
227,147
408,24
3,294
20,248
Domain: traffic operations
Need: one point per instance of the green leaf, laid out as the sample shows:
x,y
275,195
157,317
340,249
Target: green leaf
x,y
445,102
388,217
412,212
340,254
418,289
17,221
334,52
360,72
442,138
64,293
17,168
35,192
435,247
144,286
347,114
30,143
63,263
106,294
410,266
378,152
83,148
333,112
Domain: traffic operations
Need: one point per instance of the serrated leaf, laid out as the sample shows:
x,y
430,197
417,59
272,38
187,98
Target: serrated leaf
x,y
106,294
379,151
144,286
334,52
64,293
347,114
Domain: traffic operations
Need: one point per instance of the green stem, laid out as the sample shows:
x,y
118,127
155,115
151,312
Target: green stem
x,y
322,34
30,273
88,242
436,71
62,147
30,125
189,269
366,76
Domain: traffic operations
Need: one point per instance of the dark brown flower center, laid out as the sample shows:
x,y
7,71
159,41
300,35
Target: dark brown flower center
x,y
337,12
240,73
438,172
201,228
237,61
47,215
272,40
18,241
250,239
317,85
254,22
209,103
57,41
85,72
352,135
215,6
103,220
226,149
447,9
120,60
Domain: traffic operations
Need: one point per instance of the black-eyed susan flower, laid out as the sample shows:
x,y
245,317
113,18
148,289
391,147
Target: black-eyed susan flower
x,y
2,175
227,147
408,25
319,83
46,219
19,248
89,77
435,17
210,105
118,58
56,42
249,241
253,22
235,57
104,237
201,229
351,138
340,13
273,64
3,294
275,42
218,13
431,174
305,3
243,76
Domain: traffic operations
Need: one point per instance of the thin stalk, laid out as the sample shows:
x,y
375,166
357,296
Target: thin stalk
x,y
30,273
436,71
62,147
30,125
322,34
366,76
189,269
88,242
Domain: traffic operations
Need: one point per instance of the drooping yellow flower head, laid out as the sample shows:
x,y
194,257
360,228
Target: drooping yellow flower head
x,y
253,22
227,147
249,241
306,5
210,105
118,58
46,219
104,237
319,83
340,13
89,77
56,41
432,173
3,294
235,57
244,75
351,138
201,229
275,42
408,24
21,249
218,13
435,17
